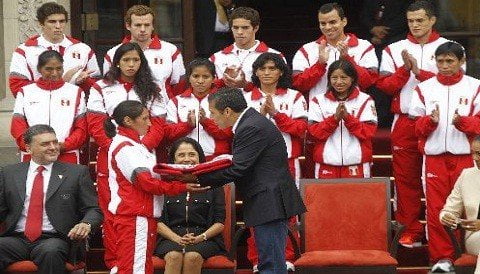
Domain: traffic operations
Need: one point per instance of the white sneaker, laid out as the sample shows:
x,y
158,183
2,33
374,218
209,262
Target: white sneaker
x,y
443,266
255,269
290,266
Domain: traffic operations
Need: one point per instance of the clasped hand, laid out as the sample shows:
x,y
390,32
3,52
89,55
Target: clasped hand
x,y
189,239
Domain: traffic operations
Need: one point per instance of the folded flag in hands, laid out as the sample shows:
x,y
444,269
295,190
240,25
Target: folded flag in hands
x,y
219,162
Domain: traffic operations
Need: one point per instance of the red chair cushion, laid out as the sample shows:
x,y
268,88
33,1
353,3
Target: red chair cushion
x,y
466,260
218,262
158,263
215,262
29,266
345,258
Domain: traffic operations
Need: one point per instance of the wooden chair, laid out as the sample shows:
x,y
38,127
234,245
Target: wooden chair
x,y
347,227
218,264
464,263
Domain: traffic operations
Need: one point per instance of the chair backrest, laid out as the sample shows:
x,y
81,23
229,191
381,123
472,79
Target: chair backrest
x,y
346,214
230,217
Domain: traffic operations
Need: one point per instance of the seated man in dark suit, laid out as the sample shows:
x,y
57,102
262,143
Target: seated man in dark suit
x,y
44,205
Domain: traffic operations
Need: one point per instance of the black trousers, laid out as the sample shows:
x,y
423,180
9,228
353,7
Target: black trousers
x,y
49,252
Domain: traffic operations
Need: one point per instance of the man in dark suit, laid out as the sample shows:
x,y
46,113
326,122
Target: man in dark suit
x,y
212,30
45,205
260,171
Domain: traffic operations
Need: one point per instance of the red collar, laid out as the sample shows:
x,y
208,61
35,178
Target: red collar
x,y
449,80
257,94
261,48
33,41
49,84
189,93
433,36
354,94
154,44
352,40
130,133
127,85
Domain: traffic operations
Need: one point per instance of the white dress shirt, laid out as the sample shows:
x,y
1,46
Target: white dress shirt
x,y
235,125
32,172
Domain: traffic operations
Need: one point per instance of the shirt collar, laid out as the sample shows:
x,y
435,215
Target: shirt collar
x,y
433,37
257,93
45,43
351,39
33,166
259,47
154,44
253,48
234,128
130,133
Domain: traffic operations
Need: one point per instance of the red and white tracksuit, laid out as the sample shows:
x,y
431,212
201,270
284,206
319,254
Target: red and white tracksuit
x,y
23,67
137,199
291,120
343,148
165,61
445,145
103,99
240,58
55,103
407,160
214,140
310,77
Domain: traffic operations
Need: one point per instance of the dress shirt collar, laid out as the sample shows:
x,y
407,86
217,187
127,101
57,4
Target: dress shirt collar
x,y
33,167
234,128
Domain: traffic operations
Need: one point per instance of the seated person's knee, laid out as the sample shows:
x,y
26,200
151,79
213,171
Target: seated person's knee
x,y
174,257
192,258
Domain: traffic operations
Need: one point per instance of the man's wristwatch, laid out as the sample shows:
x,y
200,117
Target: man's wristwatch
x,y
204,236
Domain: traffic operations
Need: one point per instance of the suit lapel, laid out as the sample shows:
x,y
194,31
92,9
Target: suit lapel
x,y
21,180
56,179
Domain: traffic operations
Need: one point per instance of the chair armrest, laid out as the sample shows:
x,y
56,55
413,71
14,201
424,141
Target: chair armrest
x,y
398,228
232,255
453,239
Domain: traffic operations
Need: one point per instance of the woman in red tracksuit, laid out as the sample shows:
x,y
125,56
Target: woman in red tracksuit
x,y
136,196
128,79
343,121
51,101
188,112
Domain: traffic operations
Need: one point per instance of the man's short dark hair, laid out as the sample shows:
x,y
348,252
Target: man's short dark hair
x,y
48,9
246,13
476,139
228,97
452,48
422,5
326,8
36,130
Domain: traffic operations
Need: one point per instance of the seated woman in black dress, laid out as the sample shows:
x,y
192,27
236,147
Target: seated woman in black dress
x,y
191,224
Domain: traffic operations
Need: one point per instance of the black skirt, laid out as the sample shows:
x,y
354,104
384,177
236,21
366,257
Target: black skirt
x,y
206,248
